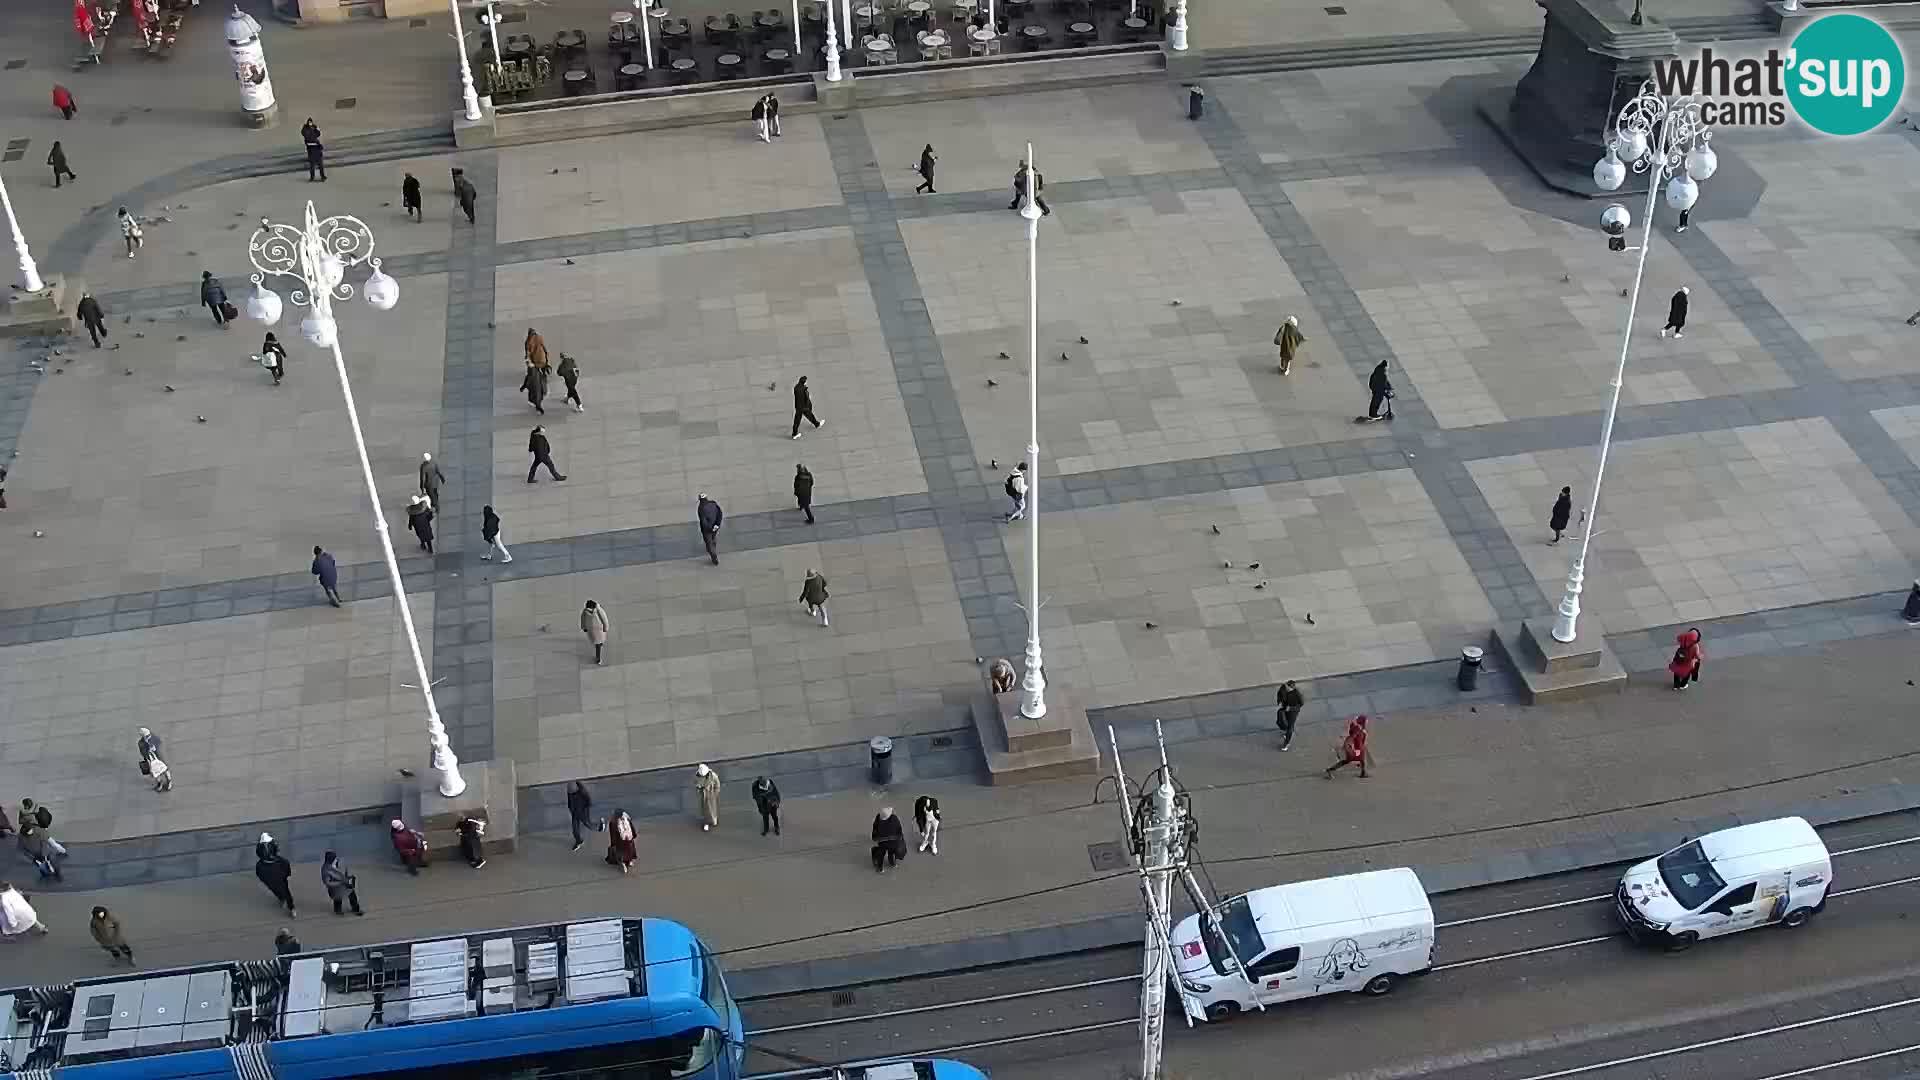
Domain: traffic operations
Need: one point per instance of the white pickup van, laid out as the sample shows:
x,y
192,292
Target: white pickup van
x,y
1735,879
1360,932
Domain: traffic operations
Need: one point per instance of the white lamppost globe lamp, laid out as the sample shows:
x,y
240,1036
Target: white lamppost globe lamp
x,y
332,271
319,330
1609,172
1702,163
1632,144
1682,192
263,304
381,290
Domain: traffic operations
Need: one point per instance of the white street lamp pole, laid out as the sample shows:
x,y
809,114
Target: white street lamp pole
x,y
468,95
833,47
799,52
493,32
1034,684
29,272
1177,27
646,32
1663,137
846,20
318,256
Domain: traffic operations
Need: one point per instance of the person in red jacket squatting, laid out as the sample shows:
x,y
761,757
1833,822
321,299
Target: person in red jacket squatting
x,y
1687,656
1353,748
409,845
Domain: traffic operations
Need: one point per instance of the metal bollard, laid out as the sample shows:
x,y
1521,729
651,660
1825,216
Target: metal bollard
x,y
1470,660
880,759
1196,102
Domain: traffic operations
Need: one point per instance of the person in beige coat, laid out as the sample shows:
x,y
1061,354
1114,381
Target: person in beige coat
x,y
1289,339
595,624
707,783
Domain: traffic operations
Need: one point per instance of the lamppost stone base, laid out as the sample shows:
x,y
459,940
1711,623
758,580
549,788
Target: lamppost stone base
x,y
29,314
1057,746
265,118
491,795
1552,671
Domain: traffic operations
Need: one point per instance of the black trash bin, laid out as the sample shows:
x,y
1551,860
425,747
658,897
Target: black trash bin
x,y
880,758
1196,102
1471,658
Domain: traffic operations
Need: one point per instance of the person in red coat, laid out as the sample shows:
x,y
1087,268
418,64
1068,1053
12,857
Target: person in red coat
x,y
409,845
63,100
1687,656
1353,748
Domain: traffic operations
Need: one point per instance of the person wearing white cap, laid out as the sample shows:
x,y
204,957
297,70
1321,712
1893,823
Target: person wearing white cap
x,y
17,916
707,783
150,764
420,520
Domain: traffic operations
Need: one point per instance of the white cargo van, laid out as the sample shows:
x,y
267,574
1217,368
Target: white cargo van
x,y
1735,879
1358,932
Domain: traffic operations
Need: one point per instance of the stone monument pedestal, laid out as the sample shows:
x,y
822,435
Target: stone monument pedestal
x,y
1552,671
491,796
1057,746
49,311
1592,61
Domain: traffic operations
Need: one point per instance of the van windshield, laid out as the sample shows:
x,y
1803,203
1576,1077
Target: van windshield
x,y
1690,876
1236,920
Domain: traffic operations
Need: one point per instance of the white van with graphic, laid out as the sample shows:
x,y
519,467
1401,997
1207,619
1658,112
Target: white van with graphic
x,y
1360,932
1735,879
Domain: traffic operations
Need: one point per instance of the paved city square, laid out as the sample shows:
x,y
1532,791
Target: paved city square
x,y
697,273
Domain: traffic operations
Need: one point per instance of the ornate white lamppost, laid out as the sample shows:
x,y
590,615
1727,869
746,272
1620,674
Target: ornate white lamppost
x,y
1664,139
1177,27
1033,685
833,47
468,96
29,270
317,255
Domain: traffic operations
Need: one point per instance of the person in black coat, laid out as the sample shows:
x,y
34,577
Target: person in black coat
x,y
803,406
90,316
471,829
766,799
1289,701
708,512
1562,510
1676,314
925,169
316,154
1382,390
803,490
57,158
535,386
926,818
275,872
542,452
579,812
410,197
274,355
420,520
889,840
214,296
1022,176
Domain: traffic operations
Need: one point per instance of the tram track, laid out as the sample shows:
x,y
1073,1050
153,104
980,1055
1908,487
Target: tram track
x,y
962,1012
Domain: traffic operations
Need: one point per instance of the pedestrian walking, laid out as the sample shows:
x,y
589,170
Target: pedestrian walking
x,y
328,573
1289,339
63,100
1910,611
316,154
621,848
534,384
131,232
409,844
276,873
542,452
472,846
813,596
773,114
285,944
1290,702
420,520
17,916
570,374
490,532
151,766
57,159
1016,488
803,490
579,813
1381,388
889,840
214,296
925,169
1562,511
1676,314
536,350
266,847
708,513
766,799
760,119
410,197
1687,658
465,194
40,846
430,479
926,818
1001,676
803,406
1352,749
707,783
108,935
95,320
595,624
340,883
1024,177
273,356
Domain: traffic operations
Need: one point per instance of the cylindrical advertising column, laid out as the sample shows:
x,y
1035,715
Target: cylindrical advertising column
x,y
250,68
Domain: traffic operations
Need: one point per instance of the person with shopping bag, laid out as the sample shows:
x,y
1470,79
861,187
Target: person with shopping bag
x,y
1352,749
